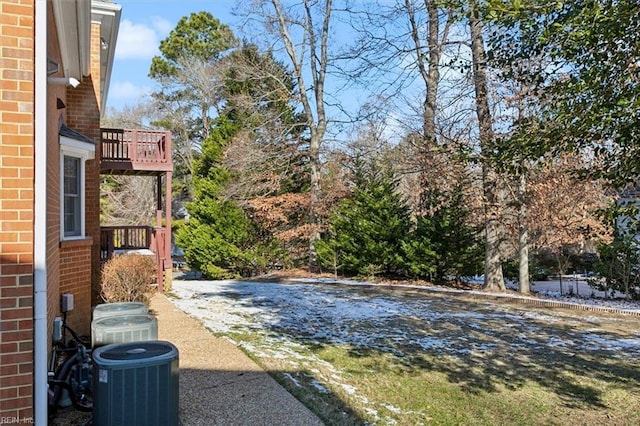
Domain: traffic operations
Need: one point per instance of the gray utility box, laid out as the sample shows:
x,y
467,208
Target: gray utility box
x,y
136,383
123,329
119,308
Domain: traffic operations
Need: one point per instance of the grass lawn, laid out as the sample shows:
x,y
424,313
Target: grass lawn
x,y
467,361
440,389
539,385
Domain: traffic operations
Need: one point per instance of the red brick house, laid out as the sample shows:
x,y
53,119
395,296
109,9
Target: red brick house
x,y
56,58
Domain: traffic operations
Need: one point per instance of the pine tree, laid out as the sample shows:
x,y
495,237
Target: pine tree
x,y
224,236
217,232
367,230
459,252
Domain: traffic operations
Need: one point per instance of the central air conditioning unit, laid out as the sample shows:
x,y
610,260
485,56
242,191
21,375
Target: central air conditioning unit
x,y
123,329
119,308
136,384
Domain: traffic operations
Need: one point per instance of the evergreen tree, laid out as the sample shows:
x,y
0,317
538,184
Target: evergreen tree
x,y
443,245
585,73
420,258
367,230
459,251
187,71
214,237
223,237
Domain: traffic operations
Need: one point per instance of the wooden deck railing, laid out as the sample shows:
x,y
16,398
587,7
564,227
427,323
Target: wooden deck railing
x,y
123,239
135,149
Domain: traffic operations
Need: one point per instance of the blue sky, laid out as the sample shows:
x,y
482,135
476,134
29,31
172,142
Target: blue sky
x,y
143,24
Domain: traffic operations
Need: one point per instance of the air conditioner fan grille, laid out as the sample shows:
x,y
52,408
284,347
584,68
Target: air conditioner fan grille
x,y
148,350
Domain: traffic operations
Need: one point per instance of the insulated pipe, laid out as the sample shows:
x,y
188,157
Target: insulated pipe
x,y
65,81
40,344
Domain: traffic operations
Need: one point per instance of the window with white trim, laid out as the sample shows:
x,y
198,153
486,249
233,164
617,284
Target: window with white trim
x,y
73,155
72,196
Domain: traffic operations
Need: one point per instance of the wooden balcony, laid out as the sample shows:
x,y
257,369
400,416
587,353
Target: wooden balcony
x,y
145,240
129,152
145,153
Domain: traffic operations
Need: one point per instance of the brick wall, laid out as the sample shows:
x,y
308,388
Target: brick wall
x,y
75,262
71,266
93,170
83,114
16,207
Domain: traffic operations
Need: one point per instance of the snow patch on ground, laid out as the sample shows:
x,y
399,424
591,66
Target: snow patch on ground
x,y
288,318
292,379
319,386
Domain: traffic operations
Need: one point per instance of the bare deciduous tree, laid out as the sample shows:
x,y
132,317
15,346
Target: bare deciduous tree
x,y
493,277
564,209
129,200
303,30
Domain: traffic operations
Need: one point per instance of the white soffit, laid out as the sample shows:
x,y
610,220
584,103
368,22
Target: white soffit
x,y
73,24
107,15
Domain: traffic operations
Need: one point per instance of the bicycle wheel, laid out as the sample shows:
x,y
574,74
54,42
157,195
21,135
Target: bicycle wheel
x,y
80,380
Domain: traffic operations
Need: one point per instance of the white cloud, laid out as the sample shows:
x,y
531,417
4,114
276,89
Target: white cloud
x,y
139,41
126,90
162,26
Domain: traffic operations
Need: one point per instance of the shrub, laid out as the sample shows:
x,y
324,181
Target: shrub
x,y
215,237
261,258
128,278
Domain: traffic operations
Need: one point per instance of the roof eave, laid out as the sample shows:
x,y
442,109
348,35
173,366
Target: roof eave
x,y
72,18
108,15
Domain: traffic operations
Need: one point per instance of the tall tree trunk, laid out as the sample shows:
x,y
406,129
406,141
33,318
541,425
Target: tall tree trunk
x,y
428,62
435,53
523,226
314,198
431,73
315,42
560,271
493,278
523,238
